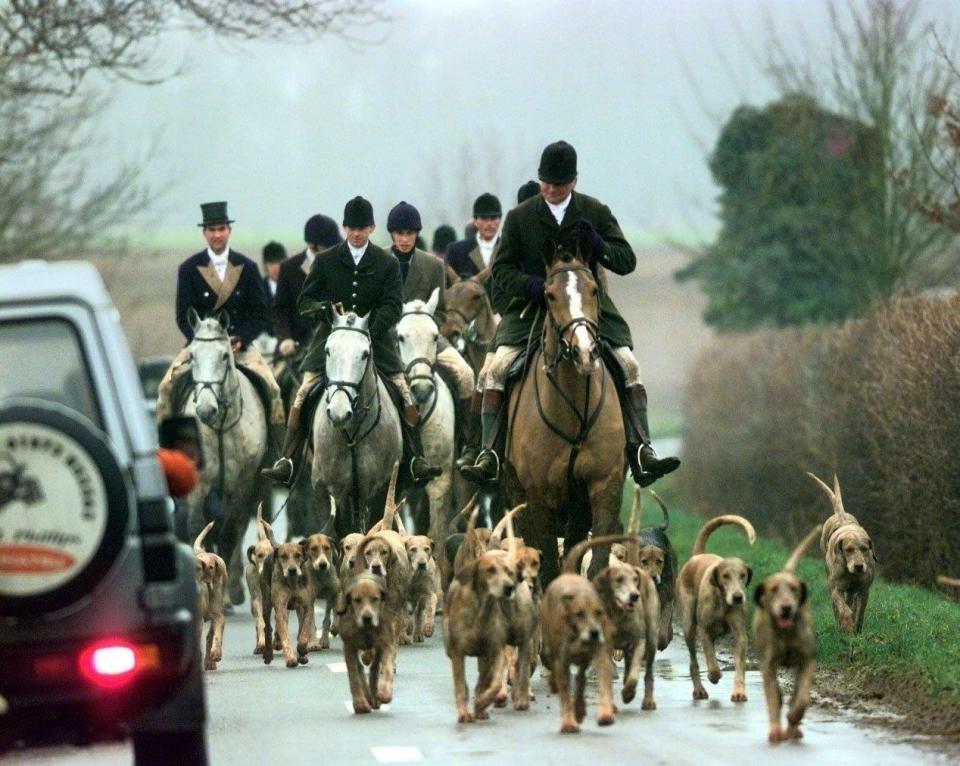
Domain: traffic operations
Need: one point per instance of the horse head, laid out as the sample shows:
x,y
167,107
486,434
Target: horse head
x,y
417,336
469,316
573,305
348,358
212,366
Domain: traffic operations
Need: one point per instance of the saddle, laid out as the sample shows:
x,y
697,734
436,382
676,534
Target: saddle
x,y
182,388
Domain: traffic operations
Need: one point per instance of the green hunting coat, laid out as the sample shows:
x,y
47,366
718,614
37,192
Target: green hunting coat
x,y
520,255
372,286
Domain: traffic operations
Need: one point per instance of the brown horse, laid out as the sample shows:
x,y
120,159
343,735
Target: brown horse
x,y
565,454
470,323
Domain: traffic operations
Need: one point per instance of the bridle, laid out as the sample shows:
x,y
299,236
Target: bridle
x,y
566,332
429,363
218,389
354,392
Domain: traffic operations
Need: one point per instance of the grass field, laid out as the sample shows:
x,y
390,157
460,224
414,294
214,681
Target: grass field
x,y
909,651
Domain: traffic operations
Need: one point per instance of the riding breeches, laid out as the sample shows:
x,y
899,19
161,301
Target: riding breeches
x,y
309,378
249,358
449,358
497,365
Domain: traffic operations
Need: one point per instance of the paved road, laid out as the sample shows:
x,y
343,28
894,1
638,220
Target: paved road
x,y
261,714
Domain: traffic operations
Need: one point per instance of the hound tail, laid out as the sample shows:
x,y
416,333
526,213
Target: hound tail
x,y
950,582
834,494
813,534
498,530
264,530
471,503
198,543
663,507
700,544
571,562
390,505
633,525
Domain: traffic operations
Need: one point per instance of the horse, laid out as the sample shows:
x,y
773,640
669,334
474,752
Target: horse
x,y
233,430
470,323
356,430
417,335
565,449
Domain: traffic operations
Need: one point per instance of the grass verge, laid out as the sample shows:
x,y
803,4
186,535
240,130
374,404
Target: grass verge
x,y
908,654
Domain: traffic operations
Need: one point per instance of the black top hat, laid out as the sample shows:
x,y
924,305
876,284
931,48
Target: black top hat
x,y
487,206
274,252
444,235
321,230
528,190
404,217
558,163
214,214
358,213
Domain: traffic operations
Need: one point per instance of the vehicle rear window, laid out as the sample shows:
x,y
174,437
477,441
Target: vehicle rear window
x,y
43,359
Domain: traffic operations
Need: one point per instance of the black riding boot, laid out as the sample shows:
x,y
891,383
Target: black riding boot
x,y
486,468
283,470
645,466
470,417
421,471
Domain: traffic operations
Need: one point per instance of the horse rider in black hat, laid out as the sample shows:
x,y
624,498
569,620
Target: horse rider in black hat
x,y
443,237
472,257
292,330
422,274
363,279
273,256
559,213
221,279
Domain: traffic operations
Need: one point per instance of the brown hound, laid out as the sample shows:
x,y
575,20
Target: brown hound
x,y
321,564
712,595
784,634
256,555
849,560
574,628
287,584
424,588
364,627
211,574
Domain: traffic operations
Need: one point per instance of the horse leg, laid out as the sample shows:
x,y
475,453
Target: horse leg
x,y
439,492
605,495
230,536
536,524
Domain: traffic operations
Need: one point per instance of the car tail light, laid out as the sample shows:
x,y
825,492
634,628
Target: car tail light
x,y
114,663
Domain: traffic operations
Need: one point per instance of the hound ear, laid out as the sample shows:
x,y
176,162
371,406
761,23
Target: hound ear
x,y
803,592
223,317
749,574
193,318
714,578
758,594
873,552
838,547
250,554
302,542
343,601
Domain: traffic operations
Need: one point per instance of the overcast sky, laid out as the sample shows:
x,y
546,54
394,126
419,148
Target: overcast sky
x,y
454,98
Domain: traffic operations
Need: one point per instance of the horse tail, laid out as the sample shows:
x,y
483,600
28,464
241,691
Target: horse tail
x,y
452,524
801,548
699,546
571,562
198,543
663,507
834,494
497,533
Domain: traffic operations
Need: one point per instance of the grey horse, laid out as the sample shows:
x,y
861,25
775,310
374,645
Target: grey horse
x,y
234,434
356,430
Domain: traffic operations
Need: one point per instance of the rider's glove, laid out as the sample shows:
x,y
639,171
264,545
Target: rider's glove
x,y
533,288
591,236
288,347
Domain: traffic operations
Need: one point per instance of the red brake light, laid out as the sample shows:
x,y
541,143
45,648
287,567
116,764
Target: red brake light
x,y
113,663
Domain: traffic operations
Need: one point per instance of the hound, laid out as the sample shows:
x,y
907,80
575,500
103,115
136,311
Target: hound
x,y
849,559
211,574
784,634
364,627
287,584
659,559
712,594
321,564
256,555
424,589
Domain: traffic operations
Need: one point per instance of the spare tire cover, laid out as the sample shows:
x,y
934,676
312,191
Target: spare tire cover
x,y
64,507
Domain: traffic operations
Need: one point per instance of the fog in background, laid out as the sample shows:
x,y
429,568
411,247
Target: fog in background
x,y
449,99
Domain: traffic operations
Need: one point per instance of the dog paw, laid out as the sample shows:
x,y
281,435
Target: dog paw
x,y
366,657
570,728
428,630
521,705
628,693
714,676
580,710
700,694
216,655
648,705
793,732
384,696
617,655
481,715
292,662
325,643
258,649
361,706
606,719
501,699
267,658
209,664
303,659
464,717
775,734
739,695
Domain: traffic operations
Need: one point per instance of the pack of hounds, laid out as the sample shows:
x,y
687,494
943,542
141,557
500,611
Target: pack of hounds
x,y
381,590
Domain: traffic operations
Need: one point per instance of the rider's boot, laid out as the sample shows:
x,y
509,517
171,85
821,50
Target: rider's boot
x,y
283,470
486,468
645,465
470,417
421,471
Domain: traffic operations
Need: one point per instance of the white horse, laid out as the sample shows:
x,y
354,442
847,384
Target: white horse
x,y
417,335
234,435
356,430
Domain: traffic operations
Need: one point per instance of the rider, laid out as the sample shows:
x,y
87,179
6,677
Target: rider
x,y
221,279
558,213
363,279
292,330
474,255
422,274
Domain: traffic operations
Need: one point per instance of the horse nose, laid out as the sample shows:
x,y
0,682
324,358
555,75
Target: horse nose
x,y
421,391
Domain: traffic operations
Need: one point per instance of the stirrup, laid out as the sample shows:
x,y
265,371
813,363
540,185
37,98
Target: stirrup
x,y
468,455
280,472
473,472
426,473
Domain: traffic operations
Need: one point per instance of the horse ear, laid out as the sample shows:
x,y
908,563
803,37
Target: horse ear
x,y
431,305
193,318
362,322
550,252
223,317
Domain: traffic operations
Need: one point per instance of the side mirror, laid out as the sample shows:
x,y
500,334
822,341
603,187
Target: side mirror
x,y
182,432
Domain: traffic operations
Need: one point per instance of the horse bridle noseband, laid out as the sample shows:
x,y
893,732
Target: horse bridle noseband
x,y
353,392
199,386
569,329
431,366
469,331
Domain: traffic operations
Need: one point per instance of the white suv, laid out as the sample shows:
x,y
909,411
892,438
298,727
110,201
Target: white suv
x,y
97,598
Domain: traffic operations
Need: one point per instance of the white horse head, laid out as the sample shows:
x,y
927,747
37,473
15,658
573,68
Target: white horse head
x,y
348,358
266,344
212,366
417,335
